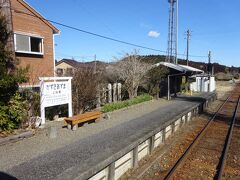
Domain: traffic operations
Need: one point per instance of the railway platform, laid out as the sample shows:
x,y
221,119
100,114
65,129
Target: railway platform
x,y
107,155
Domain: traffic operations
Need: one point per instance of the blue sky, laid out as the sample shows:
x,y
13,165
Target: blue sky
x,y
214,24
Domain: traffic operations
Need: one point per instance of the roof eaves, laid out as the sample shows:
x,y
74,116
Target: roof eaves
x,y
181,68
189,68
30,8
70,62
173,66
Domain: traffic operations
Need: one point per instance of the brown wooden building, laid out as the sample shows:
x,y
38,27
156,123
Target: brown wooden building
x,y
32,39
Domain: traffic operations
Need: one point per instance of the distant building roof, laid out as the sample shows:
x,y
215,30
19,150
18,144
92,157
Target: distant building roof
x,y
77,64
70,62
181,68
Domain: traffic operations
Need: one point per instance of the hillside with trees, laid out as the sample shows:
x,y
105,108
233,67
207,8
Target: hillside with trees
x,y
218,68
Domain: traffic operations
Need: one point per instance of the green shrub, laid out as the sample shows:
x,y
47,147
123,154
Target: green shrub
x,y
12,115
236,76
185,87
17,109
33,100
122,104
224,76
35,104
10,74
5,123
12,107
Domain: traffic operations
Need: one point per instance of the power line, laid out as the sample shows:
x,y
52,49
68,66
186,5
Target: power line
x,y
91,33
98,35
76,56
81,4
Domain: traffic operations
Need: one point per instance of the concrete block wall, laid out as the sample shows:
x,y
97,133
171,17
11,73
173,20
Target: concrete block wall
x,y
168,131
123,164
158,139
143,149
103,175
184,119
130,160
189,116
177,125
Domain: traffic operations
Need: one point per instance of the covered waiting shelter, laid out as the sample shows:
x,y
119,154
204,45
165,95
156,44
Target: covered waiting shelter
x,y
172,84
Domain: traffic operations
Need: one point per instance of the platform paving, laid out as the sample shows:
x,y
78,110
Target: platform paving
x,y
72,160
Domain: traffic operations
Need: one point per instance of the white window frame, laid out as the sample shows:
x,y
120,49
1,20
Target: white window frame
x,y
29,41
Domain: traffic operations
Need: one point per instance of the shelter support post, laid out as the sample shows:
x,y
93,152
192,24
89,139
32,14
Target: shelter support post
x,y
168,96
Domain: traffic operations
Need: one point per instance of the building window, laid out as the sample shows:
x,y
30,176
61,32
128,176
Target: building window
x,y
59,72
28,44
69,71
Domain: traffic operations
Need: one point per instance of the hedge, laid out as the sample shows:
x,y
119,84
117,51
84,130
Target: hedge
x,y
122,104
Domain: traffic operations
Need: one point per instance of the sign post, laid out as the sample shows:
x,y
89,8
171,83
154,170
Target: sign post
x,y
55,91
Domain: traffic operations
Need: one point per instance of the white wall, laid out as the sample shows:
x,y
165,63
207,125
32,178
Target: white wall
x,y
203,84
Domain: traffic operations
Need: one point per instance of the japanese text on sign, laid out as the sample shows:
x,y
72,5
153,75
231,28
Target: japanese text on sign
x,y
55,93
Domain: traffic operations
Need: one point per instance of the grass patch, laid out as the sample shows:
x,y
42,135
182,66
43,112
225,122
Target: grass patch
x,y
122,104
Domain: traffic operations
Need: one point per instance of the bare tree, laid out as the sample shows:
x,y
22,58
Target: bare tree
x,y
131,70
86,84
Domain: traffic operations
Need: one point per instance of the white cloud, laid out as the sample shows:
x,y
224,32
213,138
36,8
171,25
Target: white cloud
x,y
153,34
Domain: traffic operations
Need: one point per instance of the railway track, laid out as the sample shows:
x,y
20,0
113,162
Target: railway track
x,y
207,157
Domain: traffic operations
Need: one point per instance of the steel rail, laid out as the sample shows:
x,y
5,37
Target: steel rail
x,y
194,142
227,143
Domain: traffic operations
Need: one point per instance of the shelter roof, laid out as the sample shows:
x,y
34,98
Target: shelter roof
x,y
181,68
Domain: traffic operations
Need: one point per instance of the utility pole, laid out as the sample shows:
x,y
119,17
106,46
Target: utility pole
x,y
95,63
210,67
176,33
188,40
209,56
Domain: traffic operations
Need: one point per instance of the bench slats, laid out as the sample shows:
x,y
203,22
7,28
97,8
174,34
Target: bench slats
x,y
82,118
85,115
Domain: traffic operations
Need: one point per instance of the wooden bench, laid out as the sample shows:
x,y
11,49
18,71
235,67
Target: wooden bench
x,y
72,122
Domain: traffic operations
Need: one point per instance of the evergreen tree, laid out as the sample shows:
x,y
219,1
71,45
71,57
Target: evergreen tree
x,y
10,76
13,110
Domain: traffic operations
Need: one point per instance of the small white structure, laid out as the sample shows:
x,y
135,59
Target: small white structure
x,y
212,82
203,83
55,91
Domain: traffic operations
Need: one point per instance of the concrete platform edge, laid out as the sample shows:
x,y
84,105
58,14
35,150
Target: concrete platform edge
x,y
71,172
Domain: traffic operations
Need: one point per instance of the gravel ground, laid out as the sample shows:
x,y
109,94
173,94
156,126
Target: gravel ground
x,y
223,87
13,154
232,168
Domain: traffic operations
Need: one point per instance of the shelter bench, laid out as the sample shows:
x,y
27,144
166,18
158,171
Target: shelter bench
x,y
72,122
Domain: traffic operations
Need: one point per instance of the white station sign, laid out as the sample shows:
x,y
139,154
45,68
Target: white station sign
x,y
55,91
